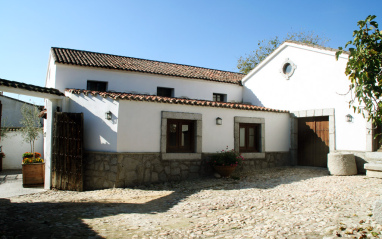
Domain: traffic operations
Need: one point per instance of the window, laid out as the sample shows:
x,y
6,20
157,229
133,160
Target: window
x,y
219,97
166,92
97,85
249,137
180,136
249,133
287,68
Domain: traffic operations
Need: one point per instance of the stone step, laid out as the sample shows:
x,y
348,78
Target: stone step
x,y
373,166
374,174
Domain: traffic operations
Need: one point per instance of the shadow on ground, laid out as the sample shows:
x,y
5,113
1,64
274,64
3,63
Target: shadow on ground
x,y
64,220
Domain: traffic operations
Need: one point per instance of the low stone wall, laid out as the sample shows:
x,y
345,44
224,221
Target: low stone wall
x,y
271,160
108,170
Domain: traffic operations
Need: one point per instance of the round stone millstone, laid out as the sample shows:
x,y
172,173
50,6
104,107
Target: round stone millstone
x,y
341,164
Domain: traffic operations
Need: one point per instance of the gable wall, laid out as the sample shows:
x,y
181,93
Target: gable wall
x,y
316,83
142,83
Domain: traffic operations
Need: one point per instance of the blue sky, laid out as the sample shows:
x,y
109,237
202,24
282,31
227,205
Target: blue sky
x,y
207,33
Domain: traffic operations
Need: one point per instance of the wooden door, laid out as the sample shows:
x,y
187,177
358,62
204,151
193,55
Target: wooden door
x,y
313,141
67,155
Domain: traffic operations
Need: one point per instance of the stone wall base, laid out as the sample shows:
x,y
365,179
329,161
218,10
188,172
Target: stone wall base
x,y
108,170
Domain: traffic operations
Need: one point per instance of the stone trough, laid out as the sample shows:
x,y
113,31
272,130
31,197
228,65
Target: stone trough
x,y
341,164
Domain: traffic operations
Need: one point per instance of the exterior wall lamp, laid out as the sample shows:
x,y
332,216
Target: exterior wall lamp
x,y
349,118
108,115
219,121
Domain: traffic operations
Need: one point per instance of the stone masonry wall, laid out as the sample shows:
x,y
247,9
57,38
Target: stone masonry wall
x,y
108,170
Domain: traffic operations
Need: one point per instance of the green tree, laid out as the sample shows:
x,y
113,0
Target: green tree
x,y
364,69
31,125
267,46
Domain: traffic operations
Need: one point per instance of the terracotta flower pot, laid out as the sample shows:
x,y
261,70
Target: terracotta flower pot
x,y
33,174
224,171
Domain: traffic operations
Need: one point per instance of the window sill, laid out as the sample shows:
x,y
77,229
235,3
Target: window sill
x,y
253,155
181,156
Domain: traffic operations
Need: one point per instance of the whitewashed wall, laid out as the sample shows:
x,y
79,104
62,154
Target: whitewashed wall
x,y
99,134
135,126
142,83
14,146
139,127
317,83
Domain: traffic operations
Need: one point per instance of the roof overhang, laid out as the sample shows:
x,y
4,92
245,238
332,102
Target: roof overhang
x,y
30,90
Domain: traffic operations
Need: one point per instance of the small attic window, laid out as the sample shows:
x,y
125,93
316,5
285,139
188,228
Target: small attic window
x,y
288,68
166,92
96,85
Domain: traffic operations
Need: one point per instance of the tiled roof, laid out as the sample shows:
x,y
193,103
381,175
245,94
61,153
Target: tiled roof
x,y
101,60
170,100
23,86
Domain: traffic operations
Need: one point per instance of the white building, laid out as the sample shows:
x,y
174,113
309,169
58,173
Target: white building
x,y
149,121
164,117
309,82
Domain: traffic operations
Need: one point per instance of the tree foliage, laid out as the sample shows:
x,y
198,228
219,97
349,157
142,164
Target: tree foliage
x,y
267,46
31,124
364,68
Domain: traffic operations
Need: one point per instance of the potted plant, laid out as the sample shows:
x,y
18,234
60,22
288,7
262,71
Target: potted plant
x,y
33,169
33,165
226,161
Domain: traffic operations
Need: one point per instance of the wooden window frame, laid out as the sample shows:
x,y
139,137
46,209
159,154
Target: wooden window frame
x,y
178,148
97,85
257,132
223,97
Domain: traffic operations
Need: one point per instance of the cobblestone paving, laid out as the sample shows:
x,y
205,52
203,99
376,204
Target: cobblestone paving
x,y
272,203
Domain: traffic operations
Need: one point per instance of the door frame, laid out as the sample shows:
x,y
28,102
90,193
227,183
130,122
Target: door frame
x,y
311,113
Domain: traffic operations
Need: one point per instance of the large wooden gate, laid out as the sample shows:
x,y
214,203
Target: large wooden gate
x,y
313,141
67,155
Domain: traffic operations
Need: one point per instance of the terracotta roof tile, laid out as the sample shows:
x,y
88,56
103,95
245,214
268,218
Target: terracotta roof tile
x,y
101,60
170,100
20,85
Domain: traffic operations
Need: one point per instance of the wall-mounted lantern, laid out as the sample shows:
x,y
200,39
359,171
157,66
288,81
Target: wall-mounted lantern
x,y
349,118
219,121
108,115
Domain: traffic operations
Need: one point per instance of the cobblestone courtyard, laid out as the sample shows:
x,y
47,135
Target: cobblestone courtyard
x,y
272,203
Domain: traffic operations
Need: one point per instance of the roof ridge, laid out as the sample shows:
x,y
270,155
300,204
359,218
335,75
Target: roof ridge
x,y
137,58
312,45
